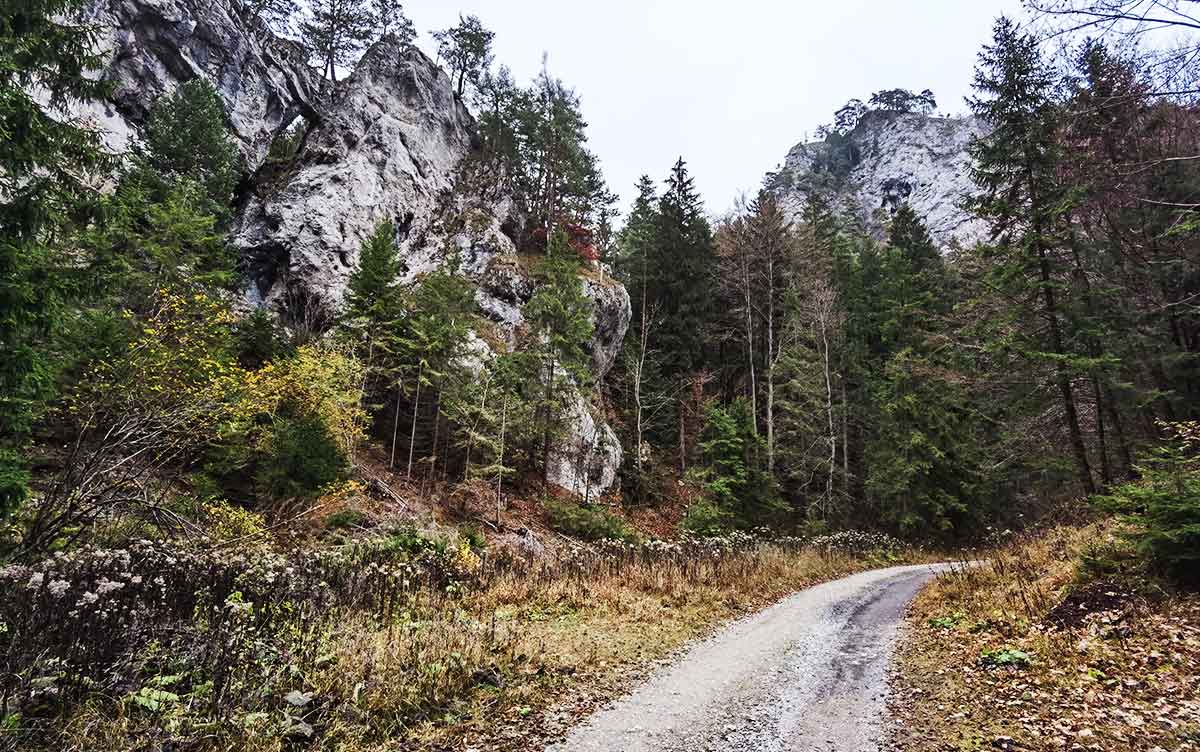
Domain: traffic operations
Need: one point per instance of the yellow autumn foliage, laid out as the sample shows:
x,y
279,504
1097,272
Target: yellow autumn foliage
x,y
178,383
320,379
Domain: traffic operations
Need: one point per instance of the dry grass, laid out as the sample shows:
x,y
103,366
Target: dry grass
x,y
587,640
505,665
1114,662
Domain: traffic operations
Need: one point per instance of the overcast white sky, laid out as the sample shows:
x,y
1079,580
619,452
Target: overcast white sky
x,y
729,86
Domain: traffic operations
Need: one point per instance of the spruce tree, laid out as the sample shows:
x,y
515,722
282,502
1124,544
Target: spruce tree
x,y
186,139
46,162
1022,196
683,268
924,450
371,288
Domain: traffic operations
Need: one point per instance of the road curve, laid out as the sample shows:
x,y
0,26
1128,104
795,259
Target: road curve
x,y
805,675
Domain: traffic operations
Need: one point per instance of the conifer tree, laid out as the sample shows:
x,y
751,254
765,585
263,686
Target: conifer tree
x,y
1026,203
641,361
274,15
336,32
467,49
924,450
45,165
683,270
186,139
371,288
560,322
389,19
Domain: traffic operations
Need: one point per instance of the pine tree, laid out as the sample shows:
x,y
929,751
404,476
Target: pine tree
x,y
45,165
467,49
389,19
274,15
336,32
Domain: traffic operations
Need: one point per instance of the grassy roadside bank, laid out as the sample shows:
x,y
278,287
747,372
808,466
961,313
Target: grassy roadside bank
x,y
1060,642
406,643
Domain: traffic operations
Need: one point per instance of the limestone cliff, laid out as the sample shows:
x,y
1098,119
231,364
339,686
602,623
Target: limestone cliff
x,y
152,46
384,143
889,159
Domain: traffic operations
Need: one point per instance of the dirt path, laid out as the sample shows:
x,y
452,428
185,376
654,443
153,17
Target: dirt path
x,y
805,675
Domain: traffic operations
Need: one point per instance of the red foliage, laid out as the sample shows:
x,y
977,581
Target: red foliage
x,y
579,238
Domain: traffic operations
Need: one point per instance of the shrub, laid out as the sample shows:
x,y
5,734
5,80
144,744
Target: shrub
x,y
259,340
706,519
740,490
299,458
1163,507
589,523
345,518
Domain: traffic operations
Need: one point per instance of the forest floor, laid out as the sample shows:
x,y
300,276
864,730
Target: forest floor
x,y
1054,644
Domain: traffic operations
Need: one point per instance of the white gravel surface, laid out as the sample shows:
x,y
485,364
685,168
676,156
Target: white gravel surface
x,y
805,675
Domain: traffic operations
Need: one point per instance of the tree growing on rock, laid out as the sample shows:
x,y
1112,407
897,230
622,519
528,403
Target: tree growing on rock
x,y
390,19
336,32
560,323
275,15
467,50
186,138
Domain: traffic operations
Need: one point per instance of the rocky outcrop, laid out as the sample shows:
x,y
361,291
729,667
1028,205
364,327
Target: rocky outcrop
x,y
152,46
385,143
888,160
388,148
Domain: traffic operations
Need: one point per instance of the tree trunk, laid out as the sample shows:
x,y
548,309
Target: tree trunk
x,y
1101,443
395,427
829,414
770,365
846,444
500,461
682,440
750,340
412,436
1082,466
1118,425
546,426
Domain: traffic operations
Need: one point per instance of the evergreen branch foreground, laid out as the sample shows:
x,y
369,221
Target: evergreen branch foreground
x,y
403,642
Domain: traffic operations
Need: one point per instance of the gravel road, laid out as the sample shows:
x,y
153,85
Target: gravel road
x,y
805,675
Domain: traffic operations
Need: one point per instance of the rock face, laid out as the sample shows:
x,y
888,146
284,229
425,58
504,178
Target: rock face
x,y
890,159
152,46
387,148
385,143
